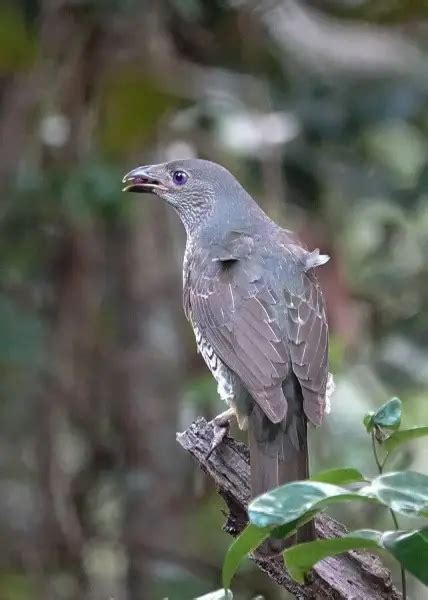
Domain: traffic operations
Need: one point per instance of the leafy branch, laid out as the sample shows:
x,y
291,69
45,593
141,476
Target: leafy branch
x,y
281,511
346,576
387,417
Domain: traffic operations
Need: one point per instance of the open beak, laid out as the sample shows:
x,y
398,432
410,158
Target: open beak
x,y
140,180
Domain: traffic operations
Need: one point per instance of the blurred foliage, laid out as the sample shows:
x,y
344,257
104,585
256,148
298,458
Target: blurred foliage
x,y
382,11
90,294
18,45
22,336
124,130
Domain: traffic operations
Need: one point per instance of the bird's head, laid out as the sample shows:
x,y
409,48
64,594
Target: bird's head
x,y
195,188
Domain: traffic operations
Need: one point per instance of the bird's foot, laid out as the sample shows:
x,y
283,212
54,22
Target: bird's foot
x,y
221,425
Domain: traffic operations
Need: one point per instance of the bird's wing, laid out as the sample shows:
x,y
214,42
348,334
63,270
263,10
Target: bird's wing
x,y
236,309
234,302
308,341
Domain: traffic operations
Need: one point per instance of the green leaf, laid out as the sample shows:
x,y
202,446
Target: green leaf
x,y
217,595
388,416
410,548
405,492
246,542
301,558
401,437
291,501
250,539
368,421
285,531
339,476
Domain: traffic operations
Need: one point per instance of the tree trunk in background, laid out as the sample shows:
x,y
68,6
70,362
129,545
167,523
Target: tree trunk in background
x,y
149,370
67,403
150,374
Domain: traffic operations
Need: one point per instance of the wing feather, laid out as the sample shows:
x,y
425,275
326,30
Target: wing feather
x,y
262,324
236,312
308,339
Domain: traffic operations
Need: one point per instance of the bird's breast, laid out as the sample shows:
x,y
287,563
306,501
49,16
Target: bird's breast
x,y
220,372
207,351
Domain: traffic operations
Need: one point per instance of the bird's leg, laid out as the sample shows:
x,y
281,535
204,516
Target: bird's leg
x,y
221,428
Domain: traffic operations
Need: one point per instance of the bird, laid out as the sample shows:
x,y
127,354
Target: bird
x,y
258,314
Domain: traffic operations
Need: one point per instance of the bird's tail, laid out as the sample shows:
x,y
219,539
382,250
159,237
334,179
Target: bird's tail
x,y
278,455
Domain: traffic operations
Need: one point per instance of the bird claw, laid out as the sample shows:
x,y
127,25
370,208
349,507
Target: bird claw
x,y
221,429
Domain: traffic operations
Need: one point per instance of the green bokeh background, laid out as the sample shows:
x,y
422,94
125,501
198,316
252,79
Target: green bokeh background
x,y
320,109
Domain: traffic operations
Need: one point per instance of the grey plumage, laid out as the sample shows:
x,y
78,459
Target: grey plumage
x,y
252,297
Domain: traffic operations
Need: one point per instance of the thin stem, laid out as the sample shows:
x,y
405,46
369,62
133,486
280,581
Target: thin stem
x,y
380,466
394,518
403,583
384,460
403,573
376,456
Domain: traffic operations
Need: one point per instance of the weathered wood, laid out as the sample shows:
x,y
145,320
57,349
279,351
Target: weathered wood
x,y
354,575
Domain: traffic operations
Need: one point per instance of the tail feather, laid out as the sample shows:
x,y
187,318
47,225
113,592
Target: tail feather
x,y
278,455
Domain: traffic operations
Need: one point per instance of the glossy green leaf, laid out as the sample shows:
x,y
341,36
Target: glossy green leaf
x,y
301,558
368,421
372,535
403,436
250,539
217,595
291,501
388,416
339,476
284,531
410,548
246,542
405,492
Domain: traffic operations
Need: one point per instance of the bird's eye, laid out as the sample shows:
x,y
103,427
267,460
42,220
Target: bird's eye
x,y
179,177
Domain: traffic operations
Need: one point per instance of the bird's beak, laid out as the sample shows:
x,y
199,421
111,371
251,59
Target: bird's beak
x,y
142,180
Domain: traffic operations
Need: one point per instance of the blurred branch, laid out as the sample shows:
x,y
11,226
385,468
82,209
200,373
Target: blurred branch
x,y
351,575
315,38
164,63
19,98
